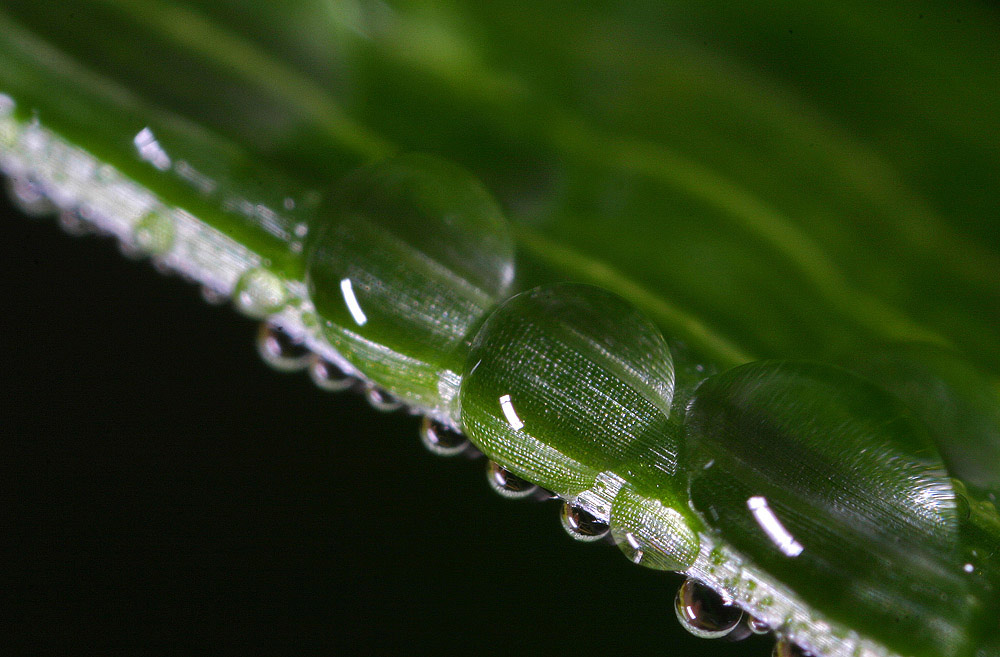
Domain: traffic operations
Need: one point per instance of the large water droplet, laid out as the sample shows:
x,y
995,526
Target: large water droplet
x,y
568,381
407,257
958,402
834,488
704,613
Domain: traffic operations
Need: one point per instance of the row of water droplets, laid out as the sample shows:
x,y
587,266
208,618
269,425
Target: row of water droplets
x,y
485,274
410,268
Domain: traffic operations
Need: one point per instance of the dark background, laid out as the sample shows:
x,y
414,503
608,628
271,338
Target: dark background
x,y
164,487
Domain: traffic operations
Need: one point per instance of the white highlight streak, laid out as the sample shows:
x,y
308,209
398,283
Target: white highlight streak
x,y
773,528
508,410
352,302
150,149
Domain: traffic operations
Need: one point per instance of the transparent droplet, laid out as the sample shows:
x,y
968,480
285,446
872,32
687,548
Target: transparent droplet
x,y
810,466
757,626
382,400
330,377
130,250
279,350
407,256
569,381
651,534
704,613
29,198
440,439
154,233
211,296
259,292
72,223
508,484
785,648
581,524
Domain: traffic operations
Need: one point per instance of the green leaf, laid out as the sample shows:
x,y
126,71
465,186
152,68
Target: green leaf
x,y
760,183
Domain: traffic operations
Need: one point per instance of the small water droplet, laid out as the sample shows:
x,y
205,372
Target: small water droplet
x,y
154,233
507,484
211,296
382,400
704,613
279,350
73,224
785,648
259,292
582,525
130,250
29,197
329,377
757,626
441,440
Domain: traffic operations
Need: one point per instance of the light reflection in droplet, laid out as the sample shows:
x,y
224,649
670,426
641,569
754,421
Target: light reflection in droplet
x,y
508,411
769,522
352,302
150,150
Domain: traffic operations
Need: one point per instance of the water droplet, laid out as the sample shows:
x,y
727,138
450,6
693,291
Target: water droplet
x,y
569,381
74,224
407,256
651,534
785,648
757,626
704,613
28,197
210,295
382,400
958,402
330,377
581,524
279,350
259,292
812,465
506,483
154,233
440,439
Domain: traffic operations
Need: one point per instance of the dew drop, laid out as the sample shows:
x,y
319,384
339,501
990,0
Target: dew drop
x,y
29,198
259,292
651,534
704,613
330,377
154,233
785,648
441,440
73,224
581,524
209,295
279,350
508,484
829,484
569,381
382,400
757,626
407,257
